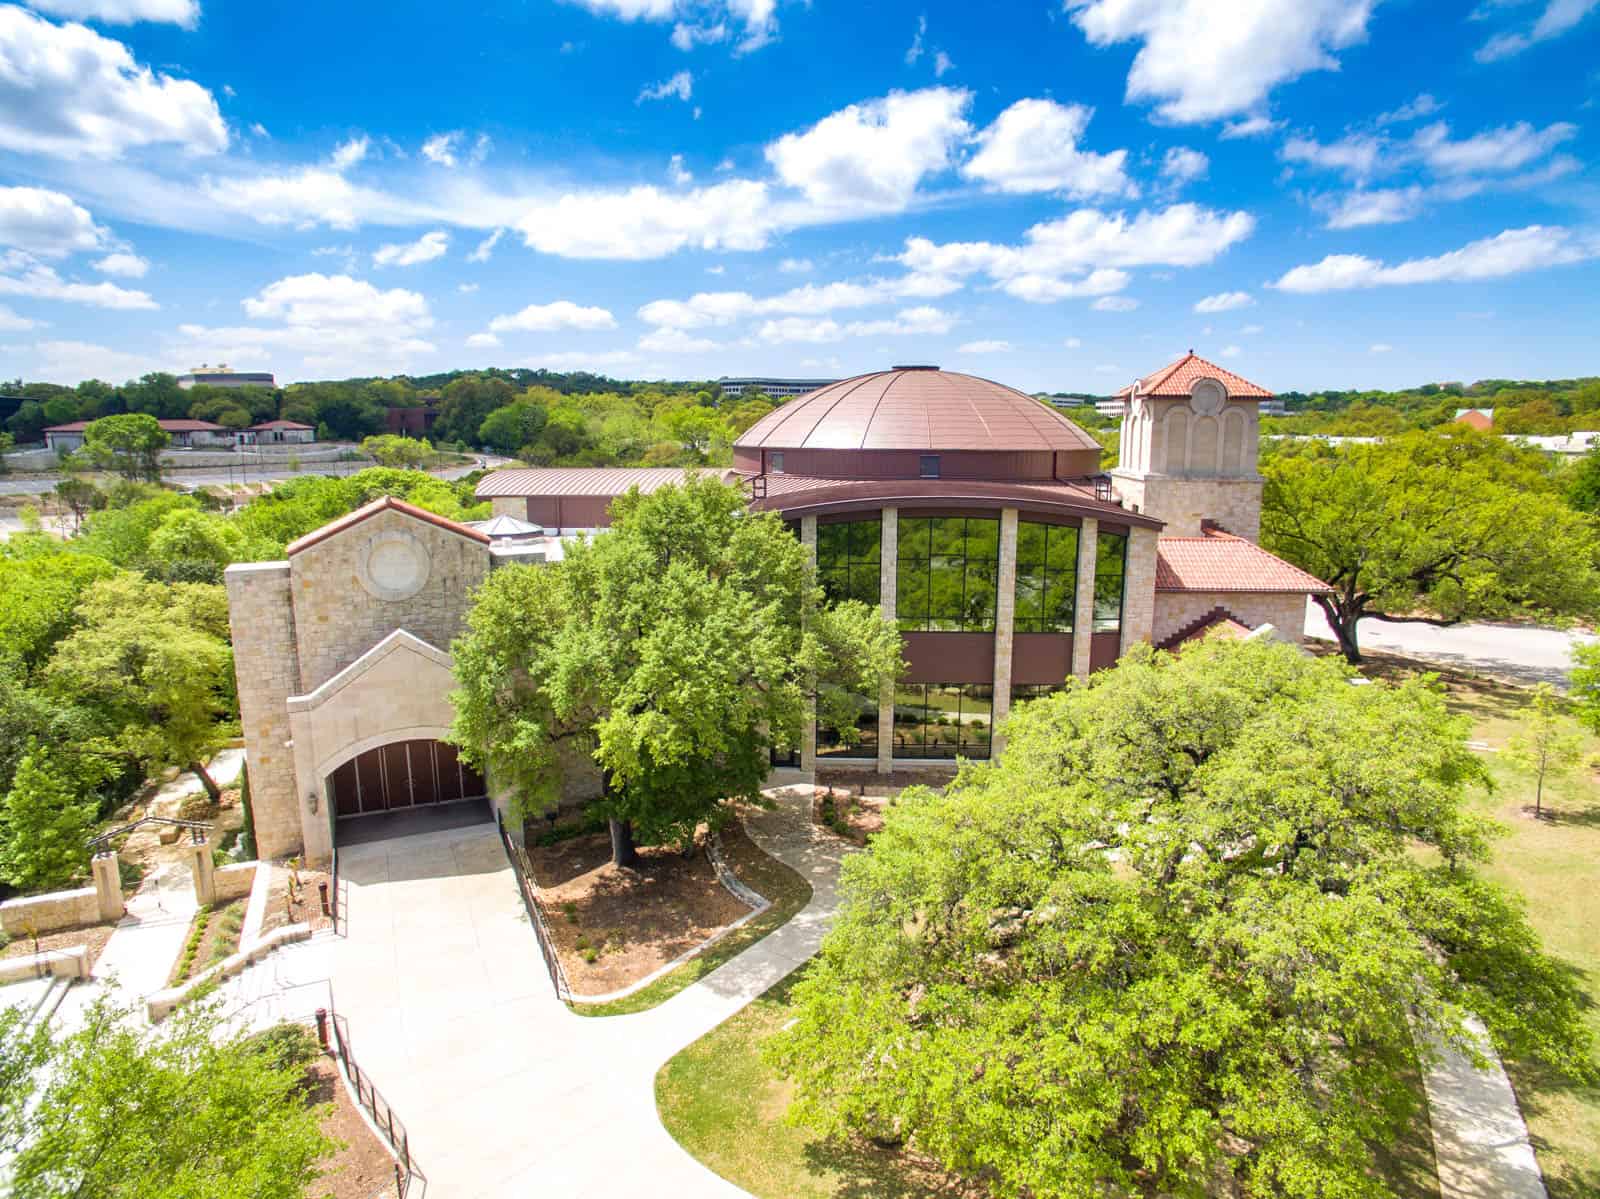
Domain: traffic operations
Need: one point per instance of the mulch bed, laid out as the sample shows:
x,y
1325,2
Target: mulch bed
x,y
632,921
854,802
307,907
363,1168
224,924
869,782
93,936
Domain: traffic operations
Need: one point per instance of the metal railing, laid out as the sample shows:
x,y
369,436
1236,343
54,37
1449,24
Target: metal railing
x,y
410,1182
197,830
523,869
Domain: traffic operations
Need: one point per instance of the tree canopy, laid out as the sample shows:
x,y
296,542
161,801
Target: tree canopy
x,y
130,444
1177,940
1424,526
676,651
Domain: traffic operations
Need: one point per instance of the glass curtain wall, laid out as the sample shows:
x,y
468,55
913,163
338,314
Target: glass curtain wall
x,y
942,720
946,573
1110,570
1047,577
847,560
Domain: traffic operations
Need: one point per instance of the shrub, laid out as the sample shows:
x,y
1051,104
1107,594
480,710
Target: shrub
x,y
196,807
286,1046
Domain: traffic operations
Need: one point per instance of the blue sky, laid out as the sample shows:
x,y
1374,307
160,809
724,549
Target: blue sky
x,y
1317,193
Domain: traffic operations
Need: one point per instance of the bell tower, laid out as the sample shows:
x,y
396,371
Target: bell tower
x,y
1190,439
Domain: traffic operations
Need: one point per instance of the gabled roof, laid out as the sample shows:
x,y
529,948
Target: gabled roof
x,y
1179,377
280,424
384,503
1220,562
184,425
584,480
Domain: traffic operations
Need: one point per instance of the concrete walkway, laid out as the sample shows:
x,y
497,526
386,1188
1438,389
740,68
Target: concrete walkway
x,y
1480,1142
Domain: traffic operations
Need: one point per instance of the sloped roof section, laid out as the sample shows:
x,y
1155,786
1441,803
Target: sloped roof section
x,y
179,425
584,480
384,503
1220,562
1178,378
915,408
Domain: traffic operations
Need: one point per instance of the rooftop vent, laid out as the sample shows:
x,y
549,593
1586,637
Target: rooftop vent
x,y
915,366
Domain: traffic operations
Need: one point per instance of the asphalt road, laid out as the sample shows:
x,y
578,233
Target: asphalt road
x,y
1526,653
40,484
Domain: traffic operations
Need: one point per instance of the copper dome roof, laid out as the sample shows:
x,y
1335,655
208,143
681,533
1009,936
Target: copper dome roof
x,y
915,408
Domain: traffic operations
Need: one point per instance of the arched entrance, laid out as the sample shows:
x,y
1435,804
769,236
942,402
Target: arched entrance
x,y
401,775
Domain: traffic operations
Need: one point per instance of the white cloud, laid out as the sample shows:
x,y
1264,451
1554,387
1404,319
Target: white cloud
x,y
123,264
71,362
547,318
441,148
718,269
676,341
698,21
1386,206
1115,304
1231,351
796,266
348,153
68,92
185,13
1255,126
597,361
705,309
46,223
1033,147
425,249
1381,347
922,320
260,130
680,85
1073,343
304,198
1198,67
1423,106
11,322
915,50
1251,330
686,37
1056,254
1184,165
1507,253
1107,368
677,172
870,157
23,275
486,247
337,300
1224,301
1558,17
941,63
647,222
1508,148
466,289
482,341
1356,155
992,346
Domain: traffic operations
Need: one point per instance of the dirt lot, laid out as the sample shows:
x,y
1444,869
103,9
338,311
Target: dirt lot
x,y
854,803
613,927
363,1168
307,907
94,936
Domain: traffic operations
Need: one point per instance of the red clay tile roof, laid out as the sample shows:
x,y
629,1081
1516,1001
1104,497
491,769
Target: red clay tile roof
x,y
915,408
381,504
583,480
1180,376
1217,561
171,426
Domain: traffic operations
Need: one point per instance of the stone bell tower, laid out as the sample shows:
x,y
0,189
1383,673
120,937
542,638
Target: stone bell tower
x,y
1190,437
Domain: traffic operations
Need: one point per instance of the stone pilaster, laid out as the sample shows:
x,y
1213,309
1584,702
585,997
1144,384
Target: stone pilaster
x,y
1083,611
1139,589
205,882
1005,608
808,735
888,584
108,886
265,662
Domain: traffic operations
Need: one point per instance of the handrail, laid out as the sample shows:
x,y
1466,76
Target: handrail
x,y
407,1174
523,869
197,829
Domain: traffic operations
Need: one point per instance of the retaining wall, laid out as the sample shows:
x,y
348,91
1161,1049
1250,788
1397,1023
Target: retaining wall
x,y
47,913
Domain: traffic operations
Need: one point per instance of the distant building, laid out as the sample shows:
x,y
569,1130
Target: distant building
x,y
778,389
410,422
185,434
225,376
1481,419
1111,407
275,432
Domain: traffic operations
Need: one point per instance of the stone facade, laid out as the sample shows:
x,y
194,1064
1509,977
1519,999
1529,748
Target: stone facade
x,y
1082,636
1182,504
1005,612
1139,588
1177,611
888,599
267,668
20,918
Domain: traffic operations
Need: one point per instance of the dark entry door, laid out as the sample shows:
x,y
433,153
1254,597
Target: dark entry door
x,y
402,774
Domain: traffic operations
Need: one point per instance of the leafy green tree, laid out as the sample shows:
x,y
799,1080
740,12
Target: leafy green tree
x,y
6,442
157,394
122,532
152,664
120,1111
676,652
44,826
1582,483
506,430
1584,680
202,542
28,421
1176,941
402,453
466,403
38,600
699,429
81,497
1546,746
1435,527
130,444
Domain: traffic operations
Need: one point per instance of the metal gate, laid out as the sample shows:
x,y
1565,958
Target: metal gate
x,y
402,774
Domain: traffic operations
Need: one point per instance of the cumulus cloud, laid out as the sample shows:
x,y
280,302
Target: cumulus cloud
x,y
21,274
707,309
441,148
123,264
70,362
11,322
1558,17
647,222
1507,253
796,266
1182,165
425,249
46,223
1384,206
699,21
185,13
482,341
1224,301
1357,154
1115,304
547,318
988,346
1256,126
1509,148
1423,106
676,341
68,92
1033,147
924,319
681,86
870,157
337,300
1195,67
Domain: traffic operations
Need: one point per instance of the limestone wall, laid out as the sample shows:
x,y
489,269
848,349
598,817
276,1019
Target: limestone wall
x,y
1235,504
337,615
1139,588
230,882
267,668
47,913
1176,611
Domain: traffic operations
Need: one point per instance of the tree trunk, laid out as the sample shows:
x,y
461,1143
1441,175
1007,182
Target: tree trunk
x,y
1342,619
206,781
1538,796
623,852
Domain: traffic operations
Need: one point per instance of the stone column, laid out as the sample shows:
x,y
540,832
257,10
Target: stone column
x,y
888,568
808,735
1083,612
205,883
1139,589
1005,607
108,886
